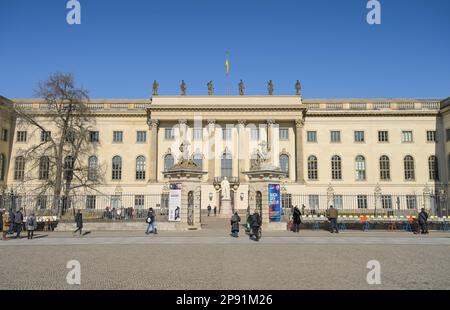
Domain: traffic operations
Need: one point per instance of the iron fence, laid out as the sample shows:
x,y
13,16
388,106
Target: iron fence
x,y
364,204
99,206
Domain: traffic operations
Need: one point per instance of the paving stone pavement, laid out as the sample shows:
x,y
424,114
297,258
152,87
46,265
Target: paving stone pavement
x,y
205,259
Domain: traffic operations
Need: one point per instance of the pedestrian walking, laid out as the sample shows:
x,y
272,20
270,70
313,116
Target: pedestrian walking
x,y
18,222
255,225
79,222
11,229
332,215
1,220
209,209
31,225
235,220
423,218
151,220
215,210
6,224
297,219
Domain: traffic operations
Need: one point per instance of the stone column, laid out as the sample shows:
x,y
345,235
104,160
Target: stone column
x,y
212,150
299,124
270,141
153,159
242,149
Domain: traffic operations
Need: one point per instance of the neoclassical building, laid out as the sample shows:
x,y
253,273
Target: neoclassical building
x,y
7,124
351,149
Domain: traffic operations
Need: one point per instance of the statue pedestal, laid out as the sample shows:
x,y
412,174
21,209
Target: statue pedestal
x,y
225,209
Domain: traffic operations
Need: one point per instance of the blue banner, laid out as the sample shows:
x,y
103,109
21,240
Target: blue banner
x,y
274,203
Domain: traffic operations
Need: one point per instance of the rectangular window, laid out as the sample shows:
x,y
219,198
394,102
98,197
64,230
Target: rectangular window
x,y
94,136
117,136
313,202
411,202
226,134
141,136
431,136
21,136
41,202
386,201
91,201
45,136
311,136
169,134
338,202
362,201
407,136
383,136
116,202
197,134
286,200
359,136
139,201
254,134
335,136
4,134
284,134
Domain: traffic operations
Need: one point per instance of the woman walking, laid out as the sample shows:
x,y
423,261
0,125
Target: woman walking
x,y
31,225
235,220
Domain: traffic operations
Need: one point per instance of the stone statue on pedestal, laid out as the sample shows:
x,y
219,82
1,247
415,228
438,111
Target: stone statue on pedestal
x,y
210,88
155,88
184,150
270,88
183,88
225,187
298,88
241,88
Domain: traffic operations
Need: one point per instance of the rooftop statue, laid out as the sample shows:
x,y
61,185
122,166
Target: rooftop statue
x,y
210,88
183,88
241,88
298,88
270,88
155,88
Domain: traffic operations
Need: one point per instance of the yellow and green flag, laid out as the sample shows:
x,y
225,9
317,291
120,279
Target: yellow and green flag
x,y
227,65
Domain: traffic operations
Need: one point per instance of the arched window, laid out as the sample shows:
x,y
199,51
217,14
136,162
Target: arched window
x,y
19,168
336,168
312,168
2,167
44,168
385,168
140,168
92,168
408,164
198,160
433,168
69,163
360,168
168,162
284,163
227,165
117,168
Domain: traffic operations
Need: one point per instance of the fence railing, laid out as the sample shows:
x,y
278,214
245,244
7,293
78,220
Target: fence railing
x,y
383,204
107,207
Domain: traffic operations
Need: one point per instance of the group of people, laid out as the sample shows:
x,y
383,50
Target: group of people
x,y
12,222
253,223
209,208
118,214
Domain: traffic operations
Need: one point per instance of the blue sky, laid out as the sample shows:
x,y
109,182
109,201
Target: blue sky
x,y
121,46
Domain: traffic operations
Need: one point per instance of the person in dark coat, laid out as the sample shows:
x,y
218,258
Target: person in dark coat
x,y
332,215
79,221
235,220
297,219
255,225
18,222
1,220
151,222
423,217
209,209
31,225
11,229
215,210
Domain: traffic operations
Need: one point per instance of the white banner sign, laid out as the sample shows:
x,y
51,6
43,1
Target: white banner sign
x,y
175,203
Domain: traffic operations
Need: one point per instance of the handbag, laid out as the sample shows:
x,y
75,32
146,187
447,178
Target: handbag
x,y
148,220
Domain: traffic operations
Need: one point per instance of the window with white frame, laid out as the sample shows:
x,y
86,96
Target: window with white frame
x,y
21,136
141,136
139,201
407,136
311,136
169,134
383,136
362,201
335,136
360,168
431,135
91,201
284,134
411,202
359,136
117,136
313,202
197,134
386,201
